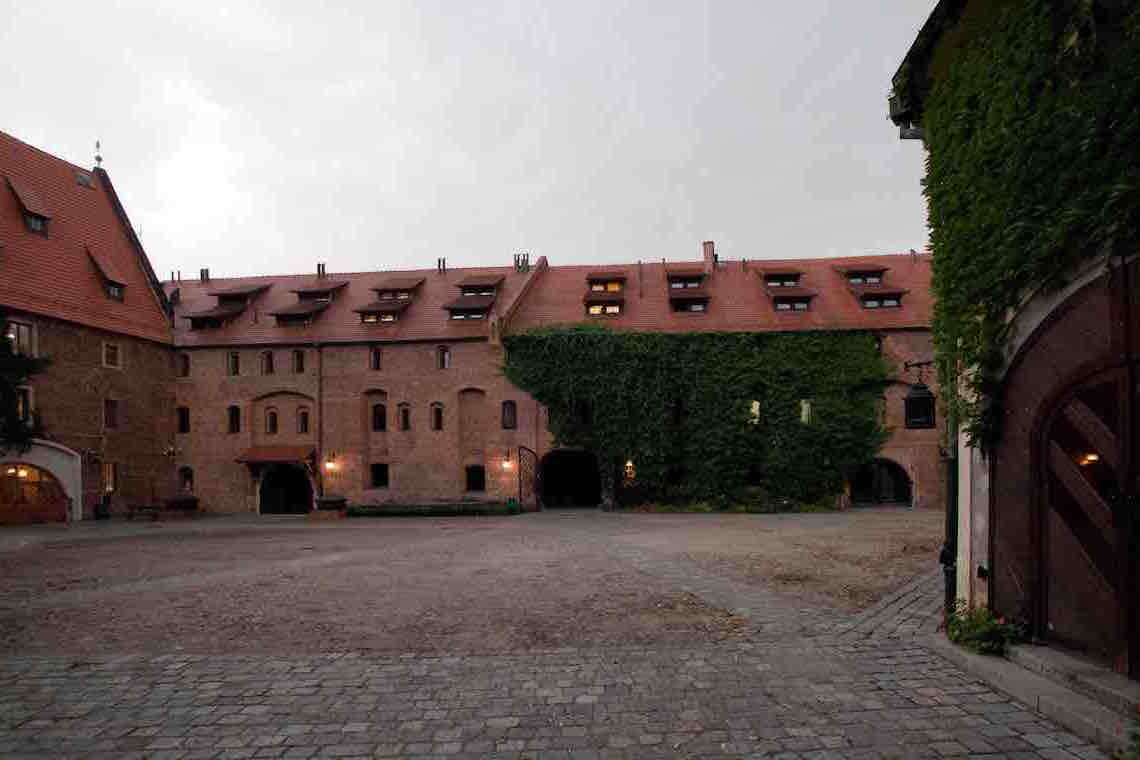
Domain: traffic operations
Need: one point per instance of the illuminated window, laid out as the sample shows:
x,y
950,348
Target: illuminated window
x,y
754,413
595,309
24,404
369,319
805,411
19,336
387,317
110,477
613,308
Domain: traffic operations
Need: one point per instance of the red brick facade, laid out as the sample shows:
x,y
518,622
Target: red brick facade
x,y
211,399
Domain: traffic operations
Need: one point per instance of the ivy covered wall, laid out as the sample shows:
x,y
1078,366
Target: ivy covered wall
x,y
1033,129
680,406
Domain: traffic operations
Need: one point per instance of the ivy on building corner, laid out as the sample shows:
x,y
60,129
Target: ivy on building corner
x,y
1033,131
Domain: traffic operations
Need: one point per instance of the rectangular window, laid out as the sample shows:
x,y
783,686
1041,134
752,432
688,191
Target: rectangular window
x,y
233,420
233,364
267,363
379,475
183,419
303,421
405,418
110,477
19,336
111,356
595,309
436,417
403,295
614,286
443,358
792,304
476,478
374,359
110,413
805,411
782,280
597,287
387,317
298,362
369,319
510,415
36,223
613,308
114,291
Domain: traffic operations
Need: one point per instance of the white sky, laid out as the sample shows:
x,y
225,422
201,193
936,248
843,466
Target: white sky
x,y
261,138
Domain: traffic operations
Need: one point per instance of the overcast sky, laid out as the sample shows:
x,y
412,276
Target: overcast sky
x,y
264,138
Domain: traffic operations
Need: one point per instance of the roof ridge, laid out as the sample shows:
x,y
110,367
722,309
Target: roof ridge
x,y
52,156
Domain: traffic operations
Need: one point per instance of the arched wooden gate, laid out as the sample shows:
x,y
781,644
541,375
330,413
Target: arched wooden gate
x,y
529,488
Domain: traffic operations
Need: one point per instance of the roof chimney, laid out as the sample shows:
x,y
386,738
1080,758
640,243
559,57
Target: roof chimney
x,y
320,271
709,251
204,274
441,265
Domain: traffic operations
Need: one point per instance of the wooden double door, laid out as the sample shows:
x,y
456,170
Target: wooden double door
x,y
1089,526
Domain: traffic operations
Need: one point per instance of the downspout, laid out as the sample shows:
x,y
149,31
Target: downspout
x,y
1129,497
948,558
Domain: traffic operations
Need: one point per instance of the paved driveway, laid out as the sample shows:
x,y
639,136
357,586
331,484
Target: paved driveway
x,y
555,635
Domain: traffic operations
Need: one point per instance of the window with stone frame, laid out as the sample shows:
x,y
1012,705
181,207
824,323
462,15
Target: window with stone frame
x,y
509,415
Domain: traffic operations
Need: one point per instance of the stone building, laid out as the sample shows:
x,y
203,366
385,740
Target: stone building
x,y
258,394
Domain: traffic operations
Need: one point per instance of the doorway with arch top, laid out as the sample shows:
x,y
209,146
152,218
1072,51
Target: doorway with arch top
x,y
285,489
881,482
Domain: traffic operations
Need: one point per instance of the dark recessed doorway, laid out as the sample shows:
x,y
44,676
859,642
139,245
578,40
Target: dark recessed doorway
x,y
570,479
881,482
286,490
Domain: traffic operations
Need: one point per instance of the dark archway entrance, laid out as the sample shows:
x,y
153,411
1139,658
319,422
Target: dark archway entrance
x,y
29,494
286,490
880,481
570,479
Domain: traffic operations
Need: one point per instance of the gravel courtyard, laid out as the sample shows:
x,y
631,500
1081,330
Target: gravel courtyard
x,y
574,636
290,586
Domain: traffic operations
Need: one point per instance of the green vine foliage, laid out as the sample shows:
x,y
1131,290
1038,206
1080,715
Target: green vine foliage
x,y
1033,131
680,406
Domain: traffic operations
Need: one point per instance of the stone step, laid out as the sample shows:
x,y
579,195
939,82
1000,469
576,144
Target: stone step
x,y
1092,679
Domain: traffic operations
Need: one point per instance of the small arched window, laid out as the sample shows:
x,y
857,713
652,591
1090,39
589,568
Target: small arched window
x,y
510,415
379,418
437,416
186,479
267,362
233,419
303,420
271,421
374,359
405,414
443,357
184,365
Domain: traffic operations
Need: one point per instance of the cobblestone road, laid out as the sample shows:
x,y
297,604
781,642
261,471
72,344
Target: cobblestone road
x,y
808,684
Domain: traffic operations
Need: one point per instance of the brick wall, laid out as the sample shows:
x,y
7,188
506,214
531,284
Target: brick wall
x,y
919,452
69,396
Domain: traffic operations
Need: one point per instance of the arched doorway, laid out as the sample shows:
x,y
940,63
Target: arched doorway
x,y
881,482
30,494
570,479
285,490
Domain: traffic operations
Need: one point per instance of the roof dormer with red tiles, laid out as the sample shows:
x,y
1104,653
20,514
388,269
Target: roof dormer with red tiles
x,y
605,293
870,287
477,295
232,302
313,297
393,297
688,289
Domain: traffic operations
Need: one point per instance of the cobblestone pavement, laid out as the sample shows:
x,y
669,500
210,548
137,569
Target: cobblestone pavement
x,y
890,698
807,683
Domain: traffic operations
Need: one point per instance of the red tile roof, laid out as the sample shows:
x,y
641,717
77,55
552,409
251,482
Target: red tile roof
x,y
480,281
607,274
791,291
319,286
603,296
398,283
54,275
466,303
739,300
300,309
424,319
106,267
390,306
239,290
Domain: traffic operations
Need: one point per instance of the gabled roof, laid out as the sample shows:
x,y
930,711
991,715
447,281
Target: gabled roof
x,y
423,319
739,300
54,275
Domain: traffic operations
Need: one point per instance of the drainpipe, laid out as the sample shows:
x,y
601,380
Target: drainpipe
x,y
320,421
949,555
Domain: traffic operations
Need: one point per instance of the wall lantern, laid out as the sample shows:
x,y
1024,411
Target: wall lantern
x,y
330,462
919,407
1087,459
507,460
630,470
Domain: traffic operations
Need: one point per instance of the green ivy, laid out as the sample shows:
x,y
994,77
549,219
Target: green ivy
x,y
680,406
1033,131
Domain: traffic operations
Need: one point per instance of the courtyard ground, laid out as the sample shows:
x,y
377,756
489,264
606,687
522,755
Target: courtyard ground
x,y
576,634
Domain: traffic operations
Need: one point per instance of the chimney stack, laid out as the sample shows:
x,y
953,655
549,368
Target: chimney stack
x,y
320,271
441,266
204,274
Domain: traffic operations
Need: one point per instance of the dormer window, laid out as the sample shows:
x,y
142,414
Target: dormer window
x,y
782,280
36,214
36,223
606,286
403,295
115,291
606,310
690,306
865,277
478,291
113,282
882,301
792,303
683,282
468,314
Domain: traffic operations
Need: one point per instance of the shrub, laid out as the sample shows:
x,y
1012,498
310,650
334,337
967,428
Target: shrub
x,y
978,629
